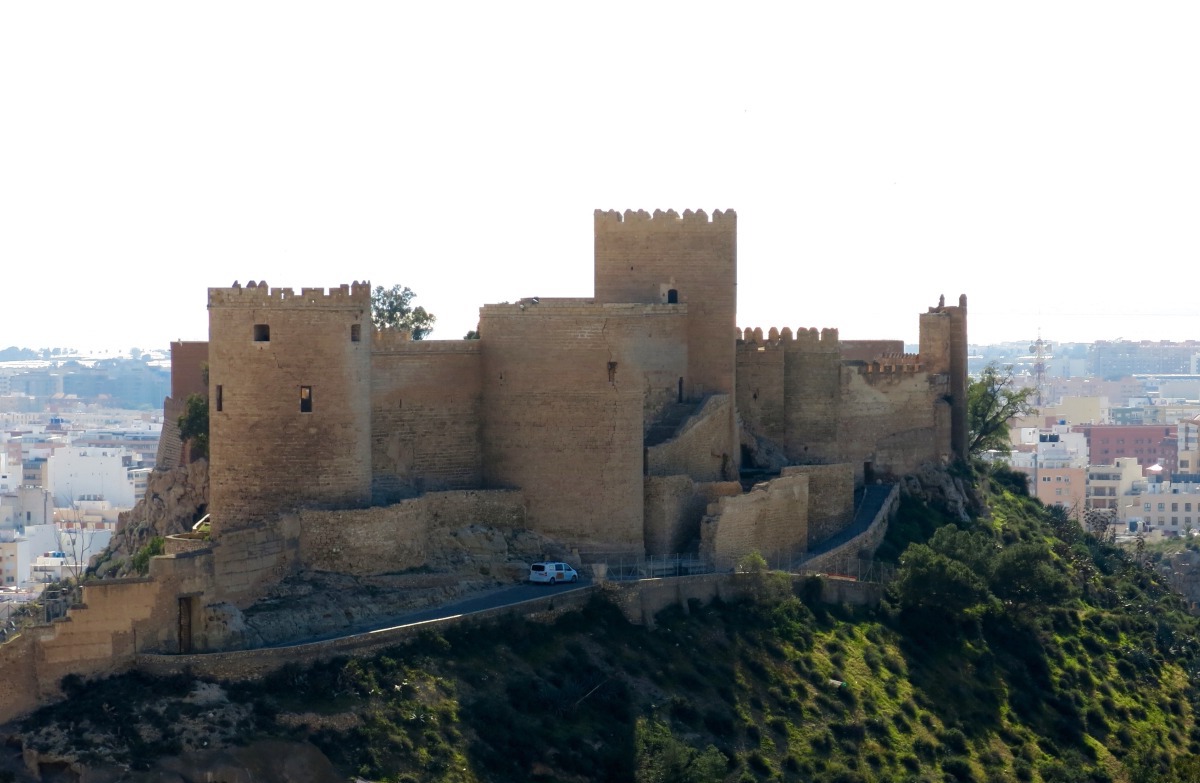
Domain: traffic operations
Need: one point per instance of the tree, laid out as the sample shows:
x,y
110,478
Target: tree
x,y
193,424
992,401
391,308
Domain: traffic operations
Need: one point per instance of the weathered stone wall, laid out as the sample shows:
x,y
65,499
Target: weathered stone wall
x,y
830,498
868,350
20,691
813,397
761,401
397,537
189,362
702,448
770,519
641,257
564,394
891,420
270,450
245,562
426,417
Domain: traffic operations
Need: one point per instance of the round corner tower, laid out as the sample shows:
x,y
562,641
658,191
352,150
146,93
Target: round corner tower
x,y
289,400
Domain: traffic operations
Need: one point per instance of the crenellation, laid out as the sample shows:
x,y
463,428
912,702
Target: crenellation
x,y
258,294
825,340
665,218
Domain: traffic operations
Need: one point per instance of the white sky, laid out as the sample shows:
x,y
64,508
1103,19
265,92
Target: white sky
x,y
1042,158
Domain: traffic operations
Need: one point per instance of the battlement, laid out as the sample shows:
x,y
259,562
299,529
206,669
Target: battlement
x,y
259,294
670,219
803,339
580,307
893,363
395,341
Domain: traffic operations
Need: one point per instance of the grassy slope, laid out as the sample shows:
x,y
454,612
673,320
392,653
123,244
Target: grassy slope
x,y
1096,684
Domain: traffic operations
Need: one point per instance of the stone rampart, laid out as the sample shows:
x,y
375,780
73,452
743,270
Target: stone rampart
x,y
773,517
565,392
397,537
426,417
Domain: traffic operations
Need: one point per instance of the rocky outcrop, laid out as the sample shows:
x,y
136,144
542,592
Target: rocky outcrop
x,y
938,487
175,499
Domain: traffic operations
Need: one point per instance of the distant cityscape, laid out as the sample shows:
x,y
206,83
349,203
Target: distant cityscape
x,y
79,436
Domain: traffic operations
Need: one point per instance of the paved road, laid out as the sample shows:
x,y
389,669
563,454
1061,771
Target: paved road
x,y
493,599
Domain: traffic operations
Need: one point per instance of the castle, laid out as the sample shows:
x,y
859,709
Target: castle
x,y
622,423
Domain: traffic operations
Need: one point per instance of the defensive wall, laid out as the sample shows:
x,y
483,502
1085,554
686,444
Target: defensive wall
x,y
863,402
639,601
426,416
399,537
675,506
565,392
830,498
773,516
290,401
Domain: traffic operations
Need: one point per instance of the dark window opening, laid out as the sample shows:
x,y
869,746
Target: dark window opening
x,y
355,333
612,372
680,390
220,398
673,296
306,399
262,333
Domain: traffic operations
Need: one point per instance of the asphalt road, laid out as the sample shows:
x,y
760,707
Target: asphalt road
x,y
493,599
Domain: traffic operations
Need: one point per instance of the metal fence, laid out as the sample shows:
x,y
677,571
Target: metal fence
x,y
624,566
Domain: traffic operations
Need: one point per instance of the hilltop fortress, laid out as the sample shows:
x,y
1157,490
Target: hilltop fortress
x,y
624,423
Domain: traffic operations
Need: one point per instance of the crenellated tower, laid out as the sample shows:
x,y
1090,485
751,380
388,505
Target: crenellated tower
x,y
668,258
289,400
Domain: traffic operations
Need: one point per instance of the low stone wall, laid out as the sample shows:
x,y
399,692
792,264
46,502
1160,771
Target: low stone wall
x,y
394,538
848,591
177,545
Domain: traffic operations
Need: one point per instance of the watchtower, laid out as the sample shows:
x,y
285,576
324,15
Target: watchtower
x,y
289,400
668,259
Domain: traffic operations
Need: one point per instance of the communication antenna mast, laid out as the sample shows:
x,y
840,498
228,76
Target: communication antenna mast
x,y
1039,349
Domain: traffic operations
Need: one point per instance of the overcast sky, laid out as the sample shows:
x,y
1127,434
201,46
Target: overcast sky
x,y
1042,158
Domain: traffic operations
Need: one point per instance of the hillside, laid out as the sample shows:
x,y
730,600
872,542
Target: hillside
x,y
1012,646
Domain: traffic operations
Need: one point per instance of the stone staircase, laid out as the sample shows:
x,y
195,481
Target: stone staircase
x,y
669,422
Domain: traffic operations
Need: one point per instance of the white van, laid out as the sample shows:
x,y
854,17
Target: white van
x,y
552,573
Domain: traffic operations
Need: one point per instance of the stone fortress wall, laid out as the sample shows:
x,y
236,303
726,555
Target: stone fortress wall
x,y
605,424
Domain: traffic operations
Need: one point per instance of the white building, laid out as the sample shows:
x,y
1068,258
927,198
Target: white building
x,y
83,473
19,552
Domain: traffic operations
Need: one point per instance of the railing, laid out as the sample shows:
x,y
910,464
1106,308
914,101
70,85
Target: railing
x,y
618,566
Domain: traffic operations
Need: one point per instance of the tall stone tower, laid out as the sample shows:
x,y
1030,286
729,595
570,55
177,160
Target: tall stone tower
x,y
289,400
944,350
668,259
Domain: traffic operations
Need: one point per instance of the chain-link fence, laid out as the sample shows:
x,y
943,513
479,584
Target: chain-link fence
x,y
624,566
